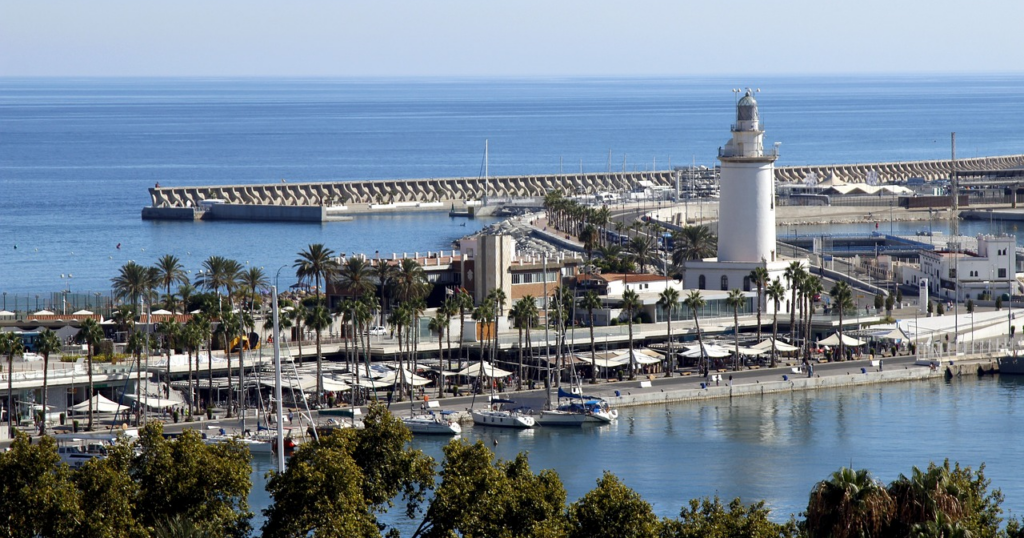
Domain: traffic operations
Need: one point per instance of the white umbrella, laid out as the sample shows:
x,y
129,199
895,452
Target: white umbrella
x,y
79,313
780,346
43,313
713,351
160,312
6,313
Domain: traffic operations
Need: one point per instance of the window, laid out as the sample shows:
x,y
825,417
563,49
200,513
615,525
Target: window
x,y
1002,273
746,283
952,273
702,283
725,282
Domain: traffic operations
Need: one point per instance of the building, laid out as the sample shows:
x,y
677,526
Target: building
x,y
963,274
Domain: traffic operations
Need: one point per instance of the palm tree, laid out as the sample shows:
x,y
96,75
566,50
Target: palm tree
x,y
192,338
11,345
793,275
171,330
410,280
590,238
382,271
439,324
230,326
298,314
124,317
137,342
169,270
850,504
316,262
356,276
695,302
842,298
736,300
812,289
252,280
694,243
47,344
185,292
630,306
927,495
132,283
450,309
642,250
669,301
760,278
91,333
590,301
776,293
319,318
521,315
463,301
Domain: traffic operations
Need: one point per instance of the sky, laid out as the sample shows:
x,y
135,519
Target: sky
x,y
500,38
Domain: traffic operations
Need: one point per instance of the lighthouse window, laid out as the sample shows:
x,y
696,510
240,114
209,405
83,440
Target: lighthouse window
x,y
746,283
725,282
702,283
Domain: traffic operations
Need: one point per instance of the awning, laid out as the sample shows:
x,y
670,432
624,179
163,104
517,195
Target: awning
x,y
834,341
780,346
714,351
99,405
152,402
483,368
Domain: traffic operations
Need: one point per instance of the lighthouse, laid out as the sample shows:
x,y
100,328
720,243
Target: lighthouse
x,y
746,210
746,229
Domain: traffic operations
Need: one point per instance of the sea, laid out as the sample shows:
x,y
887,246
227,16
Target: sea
x,y
78,155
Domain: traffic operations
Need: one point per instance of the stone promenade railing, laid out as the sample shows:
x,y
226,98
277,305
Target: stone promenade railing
x,y
461,189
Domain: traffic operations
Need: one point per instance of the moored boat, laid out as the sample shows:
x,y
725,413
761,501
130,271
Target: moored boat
x,y
498,415
432,424
1011,365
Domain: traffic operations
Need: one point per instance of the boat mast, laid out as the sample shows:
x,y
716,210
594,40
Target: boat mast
x,y
486,171
277,385
547,338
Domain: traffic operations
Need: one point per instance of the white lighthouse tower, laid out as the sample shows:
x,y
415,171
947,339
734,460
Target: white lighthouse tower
x,y
746,223
746,230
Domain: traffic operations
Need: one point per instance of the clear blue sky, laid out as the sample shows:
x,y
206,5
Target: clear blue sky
x,y
507,38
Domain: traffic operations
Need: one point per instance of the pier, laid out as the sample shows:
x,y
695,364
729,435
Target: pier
x,y
323,201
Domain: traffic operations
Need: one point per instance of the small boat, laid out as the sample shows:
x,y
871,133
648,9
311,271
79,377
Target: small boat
x,y
77,452
596,410
1011,365
255,446
430,423
498,415
561,417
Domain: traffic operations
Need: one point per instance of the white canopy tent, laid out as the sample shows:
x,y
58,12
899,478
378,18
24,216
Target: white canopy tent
x,y
834,341
79,313
100,405
780,346
154,403
483,368
714,351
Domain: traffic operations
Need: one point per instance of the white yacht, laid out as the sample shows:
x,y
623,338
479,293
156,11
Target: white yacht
x,y
429,423
498,415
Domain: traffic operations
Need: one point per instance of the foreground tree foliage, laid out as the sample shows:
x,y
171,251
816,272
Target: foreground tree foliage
x,y
708,518
612,510
335,487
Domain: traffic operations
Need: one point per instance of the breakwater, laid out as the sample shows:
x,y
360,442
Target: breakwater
x,y
338,197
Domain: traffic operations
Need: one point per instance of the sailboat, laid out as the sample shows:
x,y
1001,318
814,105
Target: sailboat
x,y
499,411
469,212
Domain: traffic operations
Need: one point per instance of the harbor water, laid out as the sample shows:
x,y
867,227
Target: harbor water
x,y
78,155
773,448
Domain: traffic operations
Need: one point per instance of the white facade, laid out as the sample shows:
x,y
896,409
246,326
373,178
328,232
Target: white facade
x,y
967,275
723,276
746,226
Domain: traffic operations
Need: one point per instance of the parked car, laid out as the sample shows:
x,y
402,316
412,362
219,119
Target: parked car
x,y
377,331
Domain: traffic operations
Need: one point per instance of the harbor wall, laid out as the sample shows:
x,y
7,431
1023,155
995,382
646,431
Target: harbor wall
x,y
795,382
449,190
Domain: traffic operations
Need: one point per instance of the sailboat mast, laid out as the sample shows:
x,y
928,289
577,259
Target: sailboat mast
x,y
547,338
277,385
487,172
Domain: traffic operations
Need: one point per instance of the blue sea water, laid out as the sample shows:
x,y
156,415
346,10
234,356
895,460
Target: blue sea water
x,y
77,155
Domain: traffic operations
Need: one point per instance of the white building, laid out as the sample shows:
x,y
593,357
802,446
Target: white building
x,y
969,274
746,225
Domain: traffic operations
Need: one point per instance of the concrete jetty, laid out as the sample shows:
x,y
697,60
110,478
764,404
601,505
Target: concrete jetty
x,y
321,201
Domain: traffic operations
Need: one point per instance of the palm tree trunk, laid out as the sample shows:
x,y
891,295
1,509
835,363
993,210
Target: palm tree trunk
x,y
191,396
671,357
775,333
759,292
231,392
736,337
632,369
319,368
519,384
700,339
46,370
89,394
440,355
209,373
448,336
593,352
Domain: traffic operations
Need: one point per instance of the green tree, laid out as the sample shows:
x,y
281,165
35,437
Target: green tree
x,y
842,300
523,314
478,496
612,510
643,251
133,283
91,333
669,301
252,280
337,485
694,243
631,305
39,497
590,301
794,275
169,270
47,345
850,504
108,496
879,301
695,302
207,484
319,318
11,345
970,306
708,518
776,292
439,326
812,288
736,300
760,278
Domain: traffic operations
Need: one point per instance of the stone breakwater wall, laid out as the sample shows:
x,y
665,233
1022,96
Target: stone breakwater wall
x,y
897,171
796,382
405,191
